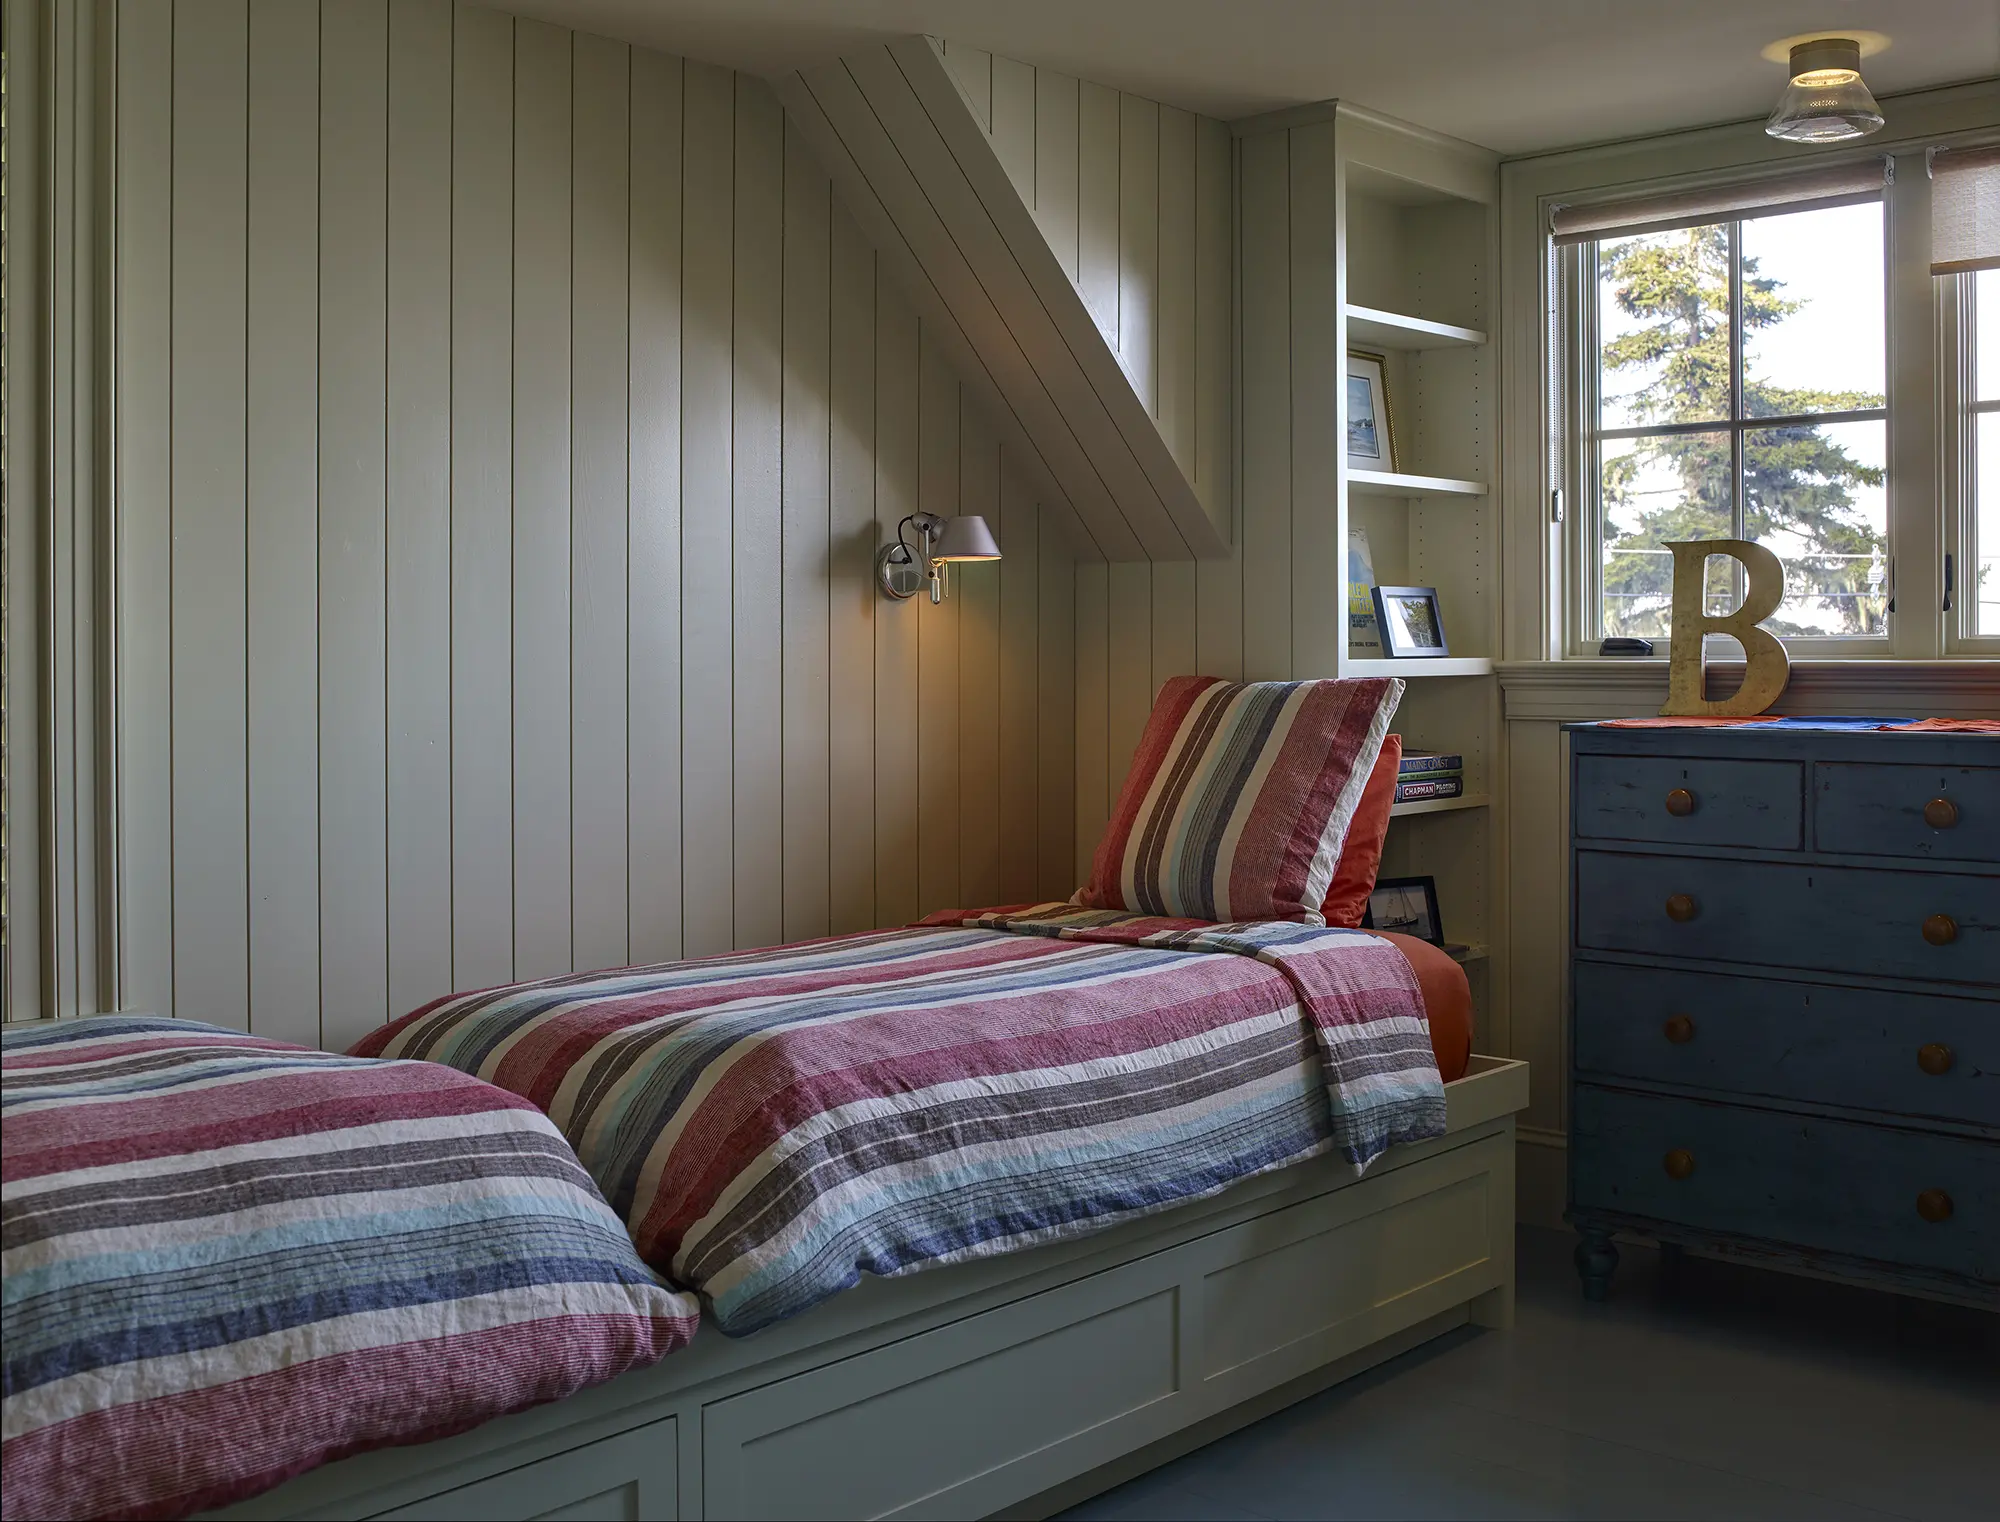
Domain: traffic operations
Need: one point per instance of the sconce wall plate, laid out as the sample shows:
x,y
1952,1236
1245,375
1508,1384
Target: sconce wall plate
x,y
897,572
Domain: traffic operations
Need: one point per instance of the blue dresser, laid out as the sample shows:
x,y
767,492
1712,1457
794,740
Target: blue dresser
x,y
1785,1024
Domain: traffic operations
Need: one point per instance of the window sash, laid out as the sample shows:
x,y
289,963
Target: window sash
x,y
1582,367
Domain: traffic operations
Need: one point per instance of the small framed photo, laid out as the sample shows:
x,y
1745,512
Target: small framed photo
x,y
1406,905
1371,432
1410,621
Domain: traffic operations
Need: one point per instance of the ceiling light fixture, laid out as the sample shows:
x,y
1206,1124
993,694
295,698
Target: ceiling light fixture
x,y
1825,102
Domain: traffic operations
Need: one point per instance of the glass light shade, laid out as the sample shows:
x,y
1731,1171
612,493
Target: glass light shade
x,y
966,538
1826,100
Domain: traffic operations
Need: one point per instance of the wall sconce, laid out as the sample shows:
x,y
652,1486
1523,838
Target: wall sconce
x,y
901,567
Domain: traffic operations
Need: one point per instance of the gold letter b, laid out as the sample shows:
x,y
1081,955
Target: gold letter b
x,y
1765,666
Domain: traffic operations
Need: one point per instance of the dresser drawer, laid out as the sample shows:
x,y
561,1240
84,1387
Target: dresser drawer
x,y
1946,813
1775,914
1859,1048
1835,1186
1691,801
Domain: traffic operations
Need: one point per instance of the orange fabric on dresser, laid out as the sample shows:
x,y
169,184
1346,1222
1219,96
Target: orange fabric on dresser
x,y
1447,1001
1361,851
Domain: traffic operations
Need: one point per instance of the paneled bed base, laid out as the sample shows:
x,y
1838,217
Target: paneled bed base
x,y
1016,1385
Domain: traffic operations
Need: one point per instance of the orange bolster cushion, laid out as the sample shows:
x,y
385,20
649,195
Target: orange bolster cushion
x,y
1447,1001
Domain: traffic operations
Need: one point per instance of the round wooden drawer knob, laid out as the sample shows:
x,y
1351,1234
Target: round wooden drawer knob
x,y
1934,1205
1935,1058
1681,908
1680,1029
1679,1163
1680,803
1939,929
1940,813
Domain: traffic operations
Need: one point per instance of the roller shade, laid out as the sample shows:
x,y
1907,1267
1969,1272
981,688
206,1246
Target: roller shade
x,y
1965,209
1810,190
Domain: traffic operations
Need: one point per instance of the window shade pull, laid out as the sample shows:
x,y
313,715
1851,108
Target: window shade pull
x,y
1947,583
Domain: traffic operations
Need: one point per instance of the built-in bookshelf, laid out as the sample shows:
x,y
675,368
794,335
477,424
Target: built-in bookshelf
x,y
1391,237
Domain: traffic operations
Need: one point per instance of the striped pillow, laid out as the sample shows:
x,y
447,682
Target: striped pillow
x,y
1239,797
229,1260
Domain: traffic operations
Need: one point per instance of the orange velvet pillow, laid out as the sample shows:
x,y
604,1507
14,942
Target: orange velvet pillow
x,y
1361,851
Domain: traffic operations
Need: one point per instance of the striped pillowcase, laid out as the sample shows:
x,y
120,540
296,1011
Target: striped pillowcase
x,y
228,1260
1239,797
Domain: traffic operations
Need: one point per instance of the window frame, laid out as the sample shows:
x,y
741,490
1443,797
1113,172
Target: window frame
x,y
1960,406
1577,296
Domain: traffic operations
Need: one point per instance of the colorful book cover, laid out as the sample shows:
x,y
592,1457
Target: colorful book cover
x,y
1364,638
1431,776
1430,761
1414,792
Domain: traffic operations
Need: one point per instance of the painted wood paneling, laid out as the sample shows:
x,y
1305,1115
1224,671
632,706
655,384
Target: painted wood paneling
x,y
653,513
144,387
938,689
509,420
282,471
976,590
852,602
543,512
208,540
1265,544
897,391
757,422
808,525
353,520
600,245
708,548
1134,200
419,506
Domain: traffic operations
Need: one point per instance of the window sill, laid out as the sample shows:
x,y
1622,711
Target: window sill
x,y
1596,687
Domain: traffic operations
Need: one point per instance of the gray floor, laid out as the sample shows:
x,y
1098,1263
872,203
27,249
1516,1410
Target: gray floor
x,y
1707,1391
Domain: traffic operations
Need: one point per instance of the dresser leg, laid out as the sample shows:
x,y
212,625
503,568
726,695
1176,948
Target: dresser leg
x,y
1596,1258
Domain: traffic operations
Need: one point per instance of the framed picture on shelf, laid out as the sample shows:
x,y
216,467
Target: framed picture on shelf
x,y
1406,905
1371,431
1410,622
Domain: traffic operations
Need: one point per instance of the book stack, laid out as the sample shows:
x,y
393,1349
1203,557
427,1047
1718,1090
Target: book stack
x,y
1427,774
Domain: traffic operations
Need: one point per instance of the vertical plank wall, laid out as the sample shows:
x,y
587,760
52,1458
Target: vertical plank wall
x,y
508,418
1134,198
1137,202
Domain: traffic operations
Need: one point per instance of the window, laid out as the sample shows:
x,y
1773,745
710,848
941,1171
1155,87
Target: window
x,y
1733,386
1980,589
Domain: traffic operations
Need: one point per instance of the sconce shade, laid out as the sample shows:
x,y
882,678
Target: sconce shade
x,y
966,538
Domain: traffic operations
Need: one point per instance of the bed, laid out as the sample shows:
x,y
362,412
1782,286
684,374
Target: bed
x,y
982,1214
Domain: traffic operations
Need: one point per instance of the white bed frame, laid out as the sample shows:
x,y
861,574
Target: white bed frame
x,y
1016,1385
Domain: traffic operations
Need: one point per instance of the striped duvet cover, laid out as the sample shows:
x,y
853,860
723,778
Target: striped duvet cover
x,y
773,1124
228,1260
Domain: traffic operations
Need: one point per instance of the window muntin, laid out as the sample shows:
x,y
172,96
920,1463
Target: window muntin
x,y
1737,370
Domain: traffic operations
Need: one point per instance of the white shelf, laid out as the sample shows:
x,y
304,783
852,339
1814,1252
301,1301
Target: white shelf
x,y
1476,952
1392,330
1439,805
1423,665
1397,483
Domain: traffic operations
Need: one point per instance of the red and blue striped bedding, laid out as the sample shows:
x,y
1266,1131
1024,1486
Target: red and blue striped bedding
x,y
773,1124
228,1260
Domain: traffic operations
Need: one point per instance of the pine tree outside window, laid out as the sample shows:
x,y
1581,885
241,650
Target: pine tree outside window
x,y
1732,385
